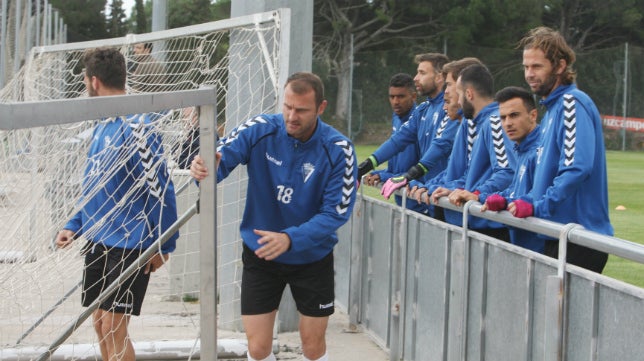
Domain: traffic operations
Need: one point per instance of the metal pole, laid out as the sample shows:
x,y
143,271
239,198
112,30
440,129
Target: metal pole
x,y
208,236
16,44
29,29
625,96
3,42
38,27
46,23
54,26
141,261
159,12
349,110
159,22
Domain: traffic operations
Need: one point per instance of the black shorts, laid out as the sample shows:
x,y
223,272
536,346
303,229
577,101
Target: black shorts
x,y
263,283
102,267
588,258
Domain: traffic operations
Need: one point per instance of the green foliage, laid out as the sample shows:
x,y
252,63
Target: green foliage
x,y
141,17
188,12
594,24
116,26
85,19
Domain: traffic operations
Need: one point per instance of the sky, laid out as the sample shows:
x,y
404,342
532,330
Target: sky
x,y
127,6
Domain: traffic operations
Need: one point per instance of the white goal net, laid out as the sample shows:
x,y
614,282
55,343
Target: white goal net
x,y
42,167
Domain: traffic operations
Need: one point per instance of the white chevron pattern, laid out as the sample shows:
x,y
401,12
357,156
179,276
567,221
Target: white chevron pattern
x,y
499,144
233,135
570,125
471,135
147,158
349,182
442,126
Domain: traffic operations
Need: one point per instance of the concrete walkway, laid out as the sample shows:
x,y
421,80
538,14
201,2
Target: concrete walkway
x,y
342,344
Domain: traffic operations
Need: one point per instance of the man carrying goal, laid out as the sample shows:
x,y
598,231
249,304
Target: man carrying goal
x,y
127,202
301,189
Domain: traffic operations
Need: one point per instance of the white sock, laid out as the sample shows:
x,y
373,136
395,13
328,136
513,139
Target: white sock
x,y
270,357
324,357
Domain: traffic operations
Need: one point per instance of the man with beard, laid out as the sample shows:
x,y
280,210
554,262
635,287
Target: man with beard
x,y
457,162
428,127
488,164
402,98
570,181
128,201
301,189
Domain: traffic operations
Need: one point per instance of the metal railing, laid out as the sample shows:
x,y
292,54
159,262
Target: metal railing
x,y
428,290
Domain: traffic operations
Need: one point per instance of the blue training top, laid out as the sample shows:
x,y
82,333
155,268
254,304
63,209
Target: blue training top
x,y
126,204
304,189
570,181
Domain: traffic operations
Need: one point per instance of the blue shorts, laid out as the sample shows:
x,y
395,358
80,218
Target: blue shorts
x,y
263,283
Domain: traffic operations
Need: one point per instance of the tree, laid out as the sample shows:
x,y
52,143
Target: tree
x,y
85,19
180,13
141,18
188,12
345,27
595,24
116,26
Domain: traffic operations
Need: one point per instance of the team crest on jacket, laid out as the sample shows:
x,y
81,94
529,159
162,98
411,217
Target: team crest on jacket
x,y
307,170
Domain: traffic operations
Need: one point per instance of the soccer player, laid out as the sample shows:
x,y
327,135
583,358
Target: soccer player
x,y
428,127
518,113
570,181
301,189
128,202
488,166
457,162
402,98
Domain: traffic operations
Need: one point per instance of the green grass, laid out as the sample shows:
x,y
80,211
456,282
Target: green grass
x,y
625,188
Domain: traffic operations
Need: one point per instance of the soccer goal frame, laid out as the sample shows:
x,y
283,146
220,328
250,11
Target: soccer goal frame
x,y
34,99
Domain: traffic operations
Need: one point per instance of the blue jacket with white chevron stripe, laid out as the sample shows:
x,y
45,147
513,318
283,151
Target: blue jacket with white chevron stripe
x,y
431,130
304,189
401,162
490,168
128,198
570,181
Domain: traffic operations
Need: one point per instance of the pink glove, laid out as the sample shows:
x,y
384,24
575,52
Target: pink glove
x,y
523,208
392,184
496,202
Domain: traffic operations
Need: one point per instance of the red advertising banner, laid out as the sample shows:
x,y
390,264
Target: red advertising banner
x,y
617,122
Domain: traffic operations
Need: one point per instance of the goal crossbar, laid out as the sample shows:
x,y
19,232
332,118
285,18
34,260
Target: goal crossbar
x,y
62,111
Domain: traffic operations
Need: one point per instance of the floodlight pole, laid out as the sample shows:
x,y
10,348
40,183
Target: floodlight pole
x,y
625,96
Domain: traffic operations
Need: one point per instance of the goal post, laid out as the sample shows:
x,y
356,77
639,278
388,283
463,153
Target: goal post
x,y
230,70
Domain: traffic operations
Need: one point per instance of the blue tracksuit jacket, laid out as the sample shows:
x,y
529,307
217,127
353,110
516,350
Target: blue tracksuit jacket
x,y
570,181
490,166
431,130
306,190
401,162
526,155
132,203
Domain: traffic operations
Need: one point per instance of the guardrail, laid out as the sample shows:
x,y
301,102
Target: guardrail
x,y
428,290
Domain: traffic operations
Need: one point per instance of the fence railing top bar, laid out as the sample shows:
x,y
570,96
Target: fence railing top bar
x,y
61,111
219,25
616,246
613,245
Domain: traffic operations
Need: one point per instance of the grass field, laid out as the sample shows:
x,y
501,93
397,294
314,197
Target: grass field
x,y
625,188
